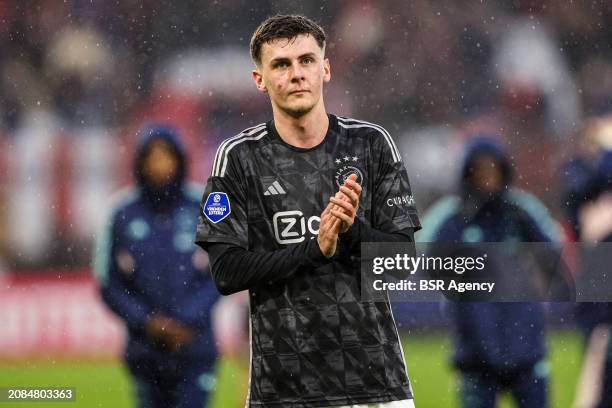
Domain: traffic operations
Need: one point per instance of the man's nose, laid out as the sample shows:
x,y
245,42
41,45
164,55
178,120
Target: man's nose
x,y
297,72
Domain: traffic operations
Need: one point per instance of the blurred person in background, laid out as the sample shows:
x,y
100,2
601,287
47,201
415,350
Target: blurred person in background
x,y
592,144
581,183
498,346
157,281
594,220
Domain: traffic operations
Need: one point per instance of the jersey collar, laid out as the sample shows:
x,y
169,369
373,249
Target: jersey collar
x,y
332,128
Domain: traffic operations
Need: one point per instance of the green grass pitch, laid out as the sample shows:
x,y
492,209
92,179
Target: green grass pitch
x,y
106,384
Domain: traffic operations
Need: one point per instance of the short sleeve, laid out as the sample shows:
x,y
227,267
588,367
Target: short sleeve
x,y
394,206
223,208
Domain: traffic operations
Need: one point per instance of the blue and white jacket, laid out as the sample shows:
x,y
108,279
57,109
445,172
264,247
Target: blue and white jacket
x,y
146,261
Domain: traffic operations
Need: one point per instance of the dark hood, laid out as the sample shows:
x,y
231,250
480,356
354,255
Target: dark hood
x,y
486,145
603,176
600,180
162,197
478,146
576,180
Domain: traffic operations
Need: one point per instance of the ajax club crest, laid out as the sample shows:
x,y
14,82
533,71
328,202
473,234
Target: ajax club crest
x,y
345,166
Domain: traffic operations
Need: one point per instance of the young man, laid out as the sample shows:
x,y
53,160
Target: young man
x,y
157,281
270,226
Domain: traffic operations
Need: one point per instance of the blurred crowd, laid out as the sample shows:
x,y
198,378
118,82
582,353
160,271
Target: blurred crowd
x,y
78,78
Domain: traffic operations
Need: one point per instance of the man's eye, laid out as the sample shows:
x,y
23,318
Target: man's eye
x,y
307,61
281,65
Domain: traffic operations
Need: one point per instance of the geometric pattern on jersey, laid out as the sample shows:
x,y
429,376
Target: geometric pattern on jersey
x,y
314,342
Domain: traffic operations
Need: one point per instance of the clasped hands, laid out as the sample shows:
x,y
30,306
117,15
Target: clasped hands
x,y
168,333
339,215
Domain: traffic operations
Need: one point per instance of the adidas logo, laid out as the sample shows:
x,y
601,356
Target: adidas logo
x,y
275,189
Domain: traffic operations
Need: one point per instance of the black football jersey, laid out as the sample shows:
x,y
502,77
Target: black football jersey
x,y
314,341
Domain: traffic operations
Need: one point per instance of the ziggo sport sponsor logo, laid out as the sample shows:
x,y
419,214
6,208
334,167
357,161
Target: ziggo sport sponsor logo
x,y
291,227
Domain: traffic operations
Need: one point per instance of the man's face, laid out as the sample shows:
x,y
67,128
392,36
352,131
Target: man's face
x,y
486,174
292,72
161,164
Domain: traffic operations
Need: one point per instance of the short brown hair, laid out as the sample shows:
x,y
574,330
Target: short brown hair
x,y
284,26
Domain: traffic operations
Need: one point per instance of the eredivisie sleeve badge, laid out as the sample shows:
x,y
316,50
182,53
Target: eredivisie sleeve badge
x,y
217,207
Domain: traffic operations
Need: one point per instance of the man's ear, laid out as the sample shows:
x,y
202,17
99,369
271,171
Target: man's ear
x,y
326,70
259,81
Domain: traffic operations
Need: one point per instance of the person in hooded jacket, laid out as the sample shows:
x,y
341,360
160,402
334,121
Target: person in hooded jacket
x,y
594,215
157,281
497,346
